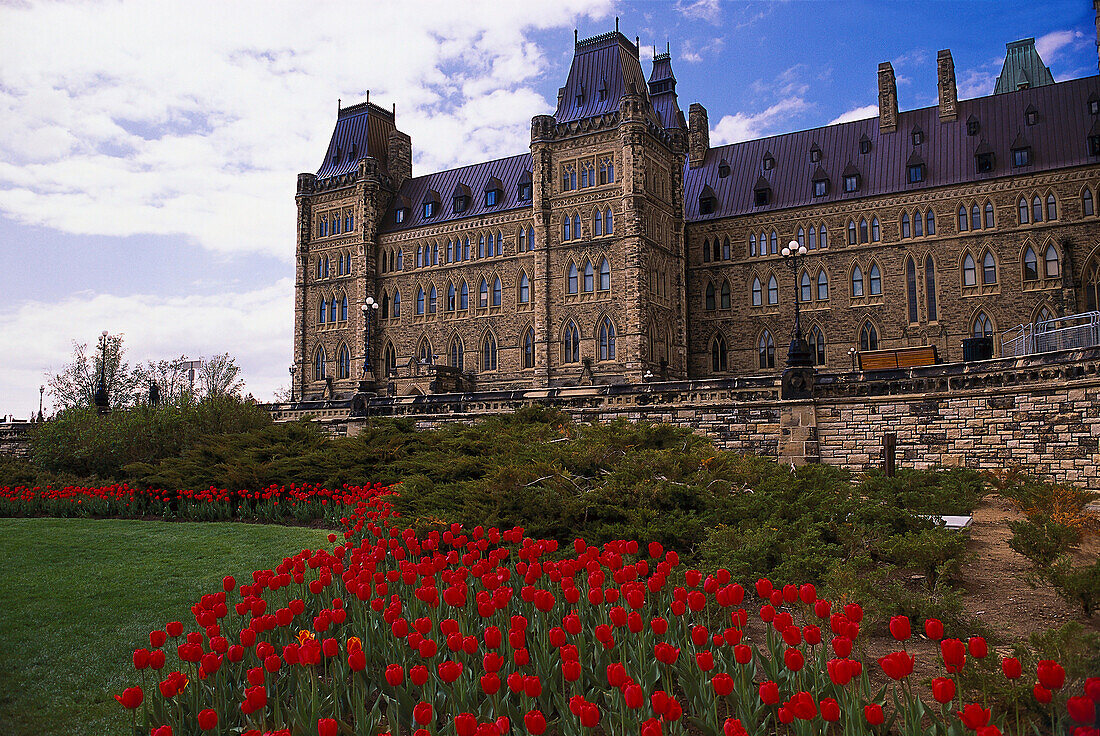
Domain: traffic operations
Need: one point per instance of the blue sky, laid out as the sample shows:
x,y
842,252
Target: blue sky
x,y
151,149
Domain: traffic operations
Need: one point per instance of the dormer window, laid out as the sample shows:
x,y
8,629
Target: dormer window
x,y
708,202
723,169
762,193
460,198
400,214
1094,104
851,178
1031,115
336,155
918,136
984,158
580,94
431,204
601,92
821,182
815,154
914,169
494,192
524,191
769,162
864,144
353,154
1094,139
973,127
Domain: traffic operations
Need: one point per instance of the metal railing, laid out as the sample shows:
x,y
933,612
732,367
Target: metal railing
x,y
1048,336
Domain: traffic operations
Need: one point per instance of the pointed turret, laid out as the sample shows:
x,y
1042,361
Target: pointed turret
x,y
604,68
662,92
1023,68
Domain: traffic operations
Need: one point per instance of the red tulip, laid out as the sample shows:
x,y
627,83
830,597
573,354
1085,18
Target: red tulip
x,y
705,661
571,670
465,724
822,609
490,683
978,648
418,675
164,730
842,646
1081,709
1011,668
422,713
131,698
1042,695
830,710
1051,674
742,654
899,628
659,626
174,629
327,727
357,661
535,722
933,628
793,660
141,658
954,654
840,671
722,684
807,593
1092,688
974,716
733,727
590,715
897,665
228,583
943,689
634,696
395,675
873,713
769,693
655,550
532,686
208,719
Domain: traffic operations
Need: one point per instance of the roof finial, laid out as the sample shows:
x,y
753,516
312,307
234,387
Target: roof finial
x,y
637,43
575,39
338,101
668,47
368,96
616,24
395,112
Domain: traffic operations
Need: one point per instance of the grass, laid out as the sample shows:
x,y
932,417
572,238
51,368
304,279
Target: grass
x,y
78,595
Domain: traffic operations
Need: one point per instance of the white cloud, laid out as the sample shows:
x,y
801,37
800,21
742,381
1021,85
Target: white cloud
x,y
253,326
857,113
705,10
194,118
1051,44
977,82
742,127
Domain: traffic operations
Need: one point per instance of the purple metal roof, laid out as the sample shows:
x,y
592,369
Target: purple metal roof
x,y
509,171
1058,140
604,68
662,93
361,130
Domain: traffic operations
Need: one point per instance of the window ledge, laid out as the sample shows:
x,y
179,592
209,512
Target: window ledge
x,y
867,301
971,291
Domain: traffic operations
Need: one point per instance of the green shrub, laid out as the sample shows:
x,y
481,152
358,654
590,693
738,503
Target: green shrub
x,y
1077,584
1041,539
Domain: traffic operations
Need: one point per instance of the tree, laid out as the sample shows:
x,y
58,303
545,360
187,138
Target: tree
x,y
220,376
75,385
170,376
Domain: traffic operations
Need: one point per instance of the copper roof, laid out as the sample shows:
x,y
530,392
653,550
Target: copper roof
x,y
361,130
1059,139
662,92
604,68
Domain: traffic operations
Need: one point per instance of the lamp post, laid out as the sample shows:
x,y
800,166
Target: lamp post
x,y
852,356
41,393
370,310
292,369
798,354
101,398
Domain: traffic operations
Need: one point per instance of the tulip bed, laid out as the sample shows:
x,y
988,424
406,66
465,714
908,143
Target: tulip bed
x,y
274,504
486,632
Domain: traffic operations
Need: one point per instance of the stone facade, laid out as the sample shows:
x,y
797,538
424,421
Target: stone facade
x,y
690,292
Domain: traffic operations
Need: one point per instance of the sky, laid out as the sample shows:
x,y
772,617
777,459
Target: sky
x,y
150,149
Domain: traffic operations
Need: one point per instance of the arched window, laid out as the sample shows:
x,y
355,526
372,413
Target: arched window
x,y
424,352
489,353
975,216
757,293
529,348
588,277
863,237
989,269
774,242
531,237
805,288
400,260
571,279
963,221
851,232
717,250
970,272
435,256
499,251
857,281
983,327
875,230
930,223
1036,209
450,251
822,285
389,360
989,220
718,354
605,275
332,307
710,300
481,246
396,303
911,289
466,248
419,256
773,290
451,298
724,302
521,241
385,305
320,273
457,356
343,362
607,339
752,244
801,236
817,345
868,337
576,226
726,248
930,288
1092,286
824,236
918,224
813,238
1044,314
464,296
597,223
320,365
1050,262
1052,207
905,232
431,300
608,223
1087,207
496,291
1031,265
1021,211
765,348
524,288
322,312
571,344
344,308
874,279
706,251
483,293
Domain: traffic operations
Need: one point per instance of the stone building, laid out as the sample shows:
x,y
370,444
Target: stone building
x,y
622,247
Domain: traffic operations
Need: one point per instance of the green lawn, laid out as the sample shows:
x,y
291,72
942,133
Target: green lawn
x,y
78,595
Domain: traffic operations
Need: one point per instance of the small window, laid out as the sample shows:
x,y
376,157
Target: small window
x,y
916,173
1051,267
492,197
774,243
875,231
1031,115
975,217
930,288
566,228
524,288
817,345
905,231
752,244
572,344
851,232
985,162
988,212
429,209
524,191
606,336
496,291
918,136
773,290
801,236
605,275
529,348
461,203
857,282
851,183
769,162
930,223
822,285
863,235
1021,156
489,353
396,303
571,279
983,327
1022,211
608,223
973,127
868,337
805,288
989,269
452,299
1036,209
707,205
464,296
964,222
864,144
483,294
706,251
821,187
710,303
718,354
815,154
766,350
970,271
723,169
1052,207
824,237
757,293
918,224
874,280
911,289
589,278
1094,105
1094,145
1031,265
1086,202
726,248
431,300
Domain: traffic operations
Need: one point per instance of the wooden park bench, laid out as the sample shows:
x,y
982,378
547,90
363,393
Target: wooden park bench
x,y
889,360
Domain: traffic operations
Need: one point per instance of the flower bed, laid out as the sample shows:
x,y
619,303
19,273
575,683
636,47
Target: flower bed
x,y
479,631
274,504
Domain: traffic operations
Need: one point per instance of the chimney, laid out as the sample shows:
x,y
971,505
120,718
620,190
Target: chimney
x,y
949,94
698,135
1096,7
887,98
